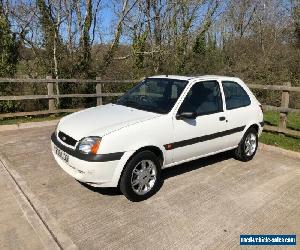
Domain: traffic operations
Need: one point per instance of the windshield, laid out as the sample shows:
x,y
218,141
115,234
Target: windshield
x,y
156,95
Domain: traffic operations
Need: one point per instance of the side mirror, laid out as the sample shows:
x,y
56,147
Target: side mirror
x,y
186,115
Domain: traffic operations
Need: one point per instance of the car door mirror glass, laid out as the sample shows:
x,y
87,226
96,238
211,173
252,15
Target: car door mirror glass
x,y
186,115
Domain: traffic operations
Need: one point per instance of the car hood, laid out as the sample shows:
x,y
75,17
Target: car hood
x,y
102,120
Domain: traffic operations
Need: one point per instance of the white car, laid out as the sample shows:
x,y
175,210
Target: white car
x,y
161,122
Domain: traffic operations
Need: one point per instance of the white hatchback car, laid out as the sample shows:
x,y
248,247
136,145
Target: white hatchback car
x,y
161,122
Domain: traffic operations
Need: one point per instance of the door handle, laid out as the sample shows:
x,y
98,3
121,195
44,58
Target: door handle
x,y
222,118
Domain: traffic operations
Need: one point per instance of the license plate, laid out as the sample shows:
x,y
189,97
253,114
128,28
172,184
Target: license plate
x,y
61,154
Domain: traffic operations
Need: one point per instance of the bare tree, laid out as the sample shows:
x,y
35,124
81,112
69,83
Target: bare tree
x,y
241,14
108,57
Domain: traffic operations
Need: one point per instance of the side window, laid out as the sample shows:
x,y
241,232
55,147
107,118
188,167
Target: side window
x,y
203,98
235,95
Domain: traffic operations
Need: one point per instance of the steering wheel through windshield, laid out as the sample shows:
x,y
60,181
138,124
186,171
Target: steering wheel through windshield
x,y
144,99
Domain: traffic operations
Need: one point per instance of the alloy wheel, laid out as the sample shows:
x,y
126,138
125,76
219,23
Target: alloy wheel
x,y
143,177
250,144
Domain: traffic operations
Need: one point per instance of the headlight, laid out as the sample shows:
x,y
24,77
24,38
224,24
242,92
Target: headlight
x,y
89,145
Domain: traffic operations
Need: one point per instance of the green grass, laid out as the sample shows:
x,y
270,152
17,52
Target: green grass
x,y
293,119
25,119
280,140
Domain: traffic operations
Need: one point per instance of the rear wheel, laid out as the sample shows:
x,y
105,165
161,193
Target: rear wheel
x,y
141,177
248,145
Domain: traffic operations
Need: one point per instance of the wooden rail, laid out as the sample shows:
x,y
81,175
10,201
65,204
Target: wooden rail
x,y
285,87
51,97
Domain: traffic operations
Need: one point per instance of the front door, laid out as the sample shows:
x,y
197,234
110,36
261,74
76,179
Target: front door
x,y
238,110
204,134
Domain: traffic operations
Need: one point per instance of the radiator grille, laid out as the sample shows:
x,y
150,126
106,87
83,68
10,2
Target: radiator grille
x,y
67,139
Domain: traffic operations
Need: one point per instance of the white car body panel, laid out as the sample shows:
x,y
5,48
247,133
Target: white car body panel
x,y
140,135
201,126
128,130
90,121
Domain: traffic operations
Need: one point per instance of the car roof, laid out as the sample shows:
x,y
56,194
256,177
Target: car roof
x,y
200,77
176,77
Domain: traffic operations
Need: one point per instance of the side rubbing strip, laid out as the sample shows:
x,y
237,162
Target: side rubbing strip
x,y
195,140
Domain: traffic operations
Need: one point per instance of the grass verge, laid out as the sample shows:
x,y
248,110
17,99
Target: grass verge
x,y
272,118
280,140
17,120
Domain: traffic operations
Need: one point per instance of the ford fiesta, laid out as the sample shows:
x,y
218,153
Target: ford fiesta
x,y
161,122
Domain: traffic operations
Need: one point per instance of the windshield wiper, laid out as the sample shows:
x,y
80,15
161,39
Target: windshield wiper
x,y
136,105
127,103
131,103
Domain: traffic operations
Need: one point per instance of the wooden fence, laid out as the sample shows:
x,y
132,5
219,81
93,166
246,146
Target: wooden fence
x,y
51,97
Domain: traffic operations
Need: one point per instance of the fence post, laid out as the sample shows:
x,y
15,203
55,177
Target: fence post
x,y
285,99
99,91
51,103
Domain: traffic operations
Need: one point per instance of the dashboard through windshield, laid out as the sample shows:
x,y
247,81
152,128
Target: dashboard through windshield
x,y
156,95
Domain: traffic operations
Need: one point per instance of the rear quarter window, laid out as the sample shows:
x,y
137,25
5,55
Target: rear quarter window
x,y
235,95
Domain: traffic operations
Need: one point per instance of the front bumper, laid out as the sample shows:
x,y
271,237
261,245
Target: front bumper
x,y
102,171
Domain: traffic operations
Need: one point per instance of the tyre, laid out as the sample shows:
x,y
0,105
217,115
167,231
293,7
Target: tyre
x,y
141,177
248,145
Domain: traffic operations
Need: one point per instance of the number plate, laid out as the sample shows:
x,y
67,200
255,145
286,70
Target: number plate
x,y
61,154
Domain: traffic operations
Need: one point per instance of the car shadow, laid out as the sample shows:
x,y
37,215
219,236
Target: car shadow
x,y
111,191
171,172
196,164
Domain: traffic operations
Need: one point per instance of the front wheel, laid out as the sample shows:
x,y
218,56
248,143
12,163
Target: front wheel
x,y
141,177
248,146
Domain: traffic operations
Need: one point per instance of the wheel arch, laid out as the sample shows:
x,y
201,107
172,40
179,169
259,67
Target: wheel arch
x,y
239,154
154,149
251,125
255,126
